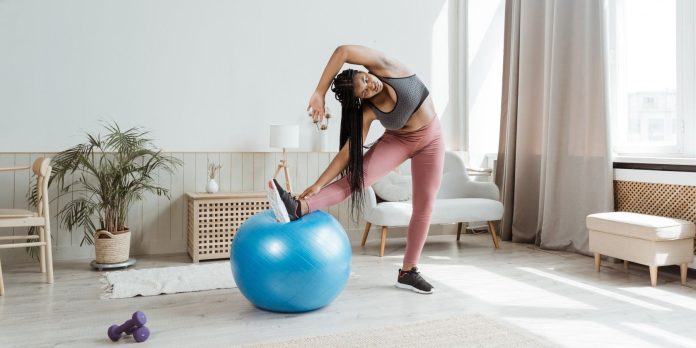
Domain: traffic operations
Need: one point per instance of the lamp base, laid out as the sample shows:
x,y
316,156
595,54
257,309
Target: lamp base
x,y
284,166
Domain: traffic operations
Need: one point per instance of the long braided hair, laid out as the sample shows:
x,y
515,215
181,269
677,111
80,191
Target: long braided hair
x,y
351,129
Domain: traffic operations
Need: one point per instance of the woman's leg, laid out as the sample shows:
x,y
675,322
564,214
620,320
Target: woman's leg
x,y
382,157
426,170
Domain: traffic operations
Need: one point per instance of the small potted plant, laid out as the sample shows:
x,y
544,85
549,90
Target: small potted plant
x,y
107,175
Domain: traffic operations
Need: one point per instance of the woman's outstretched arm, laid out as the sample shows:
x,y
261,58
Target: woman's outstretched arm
x,y
373,60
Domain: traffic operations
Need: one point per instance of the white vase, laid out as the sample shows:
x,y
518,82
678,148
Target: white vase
x,y
212,186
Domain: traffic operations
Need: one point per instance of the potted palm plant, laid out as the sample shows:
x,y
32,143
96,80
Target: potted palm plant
x,y
106,175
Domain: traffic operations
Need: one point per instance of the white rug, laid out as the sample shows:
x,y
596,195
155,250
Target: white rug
x,y
472,330
167,280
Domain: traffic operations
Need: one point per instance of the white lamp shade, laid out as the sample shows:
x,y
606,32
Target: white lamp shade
x,y
285,136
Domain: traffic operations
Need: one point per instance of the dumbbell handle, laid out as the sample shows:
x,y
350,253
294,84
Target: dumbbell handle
x,y
137,320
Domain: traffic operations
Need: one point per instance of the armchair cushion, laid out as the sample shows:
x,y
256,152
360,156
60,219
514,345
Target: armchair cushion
x,y
393,187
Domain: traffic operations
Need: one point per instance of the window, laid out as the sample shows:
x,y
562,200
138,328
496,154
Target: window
x,y
651,64
485,24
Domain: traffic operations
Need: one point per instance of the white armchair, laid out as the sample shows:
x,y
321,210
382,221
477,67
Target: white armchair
x,y
460,200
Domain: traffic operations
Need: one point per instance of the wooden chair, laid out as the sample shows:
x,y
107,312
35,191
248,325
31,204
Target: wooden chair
x,y
26,218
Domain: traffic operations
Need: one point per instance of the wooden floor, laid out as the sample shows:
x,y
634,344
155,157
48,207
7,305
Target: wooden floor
x,y
551,294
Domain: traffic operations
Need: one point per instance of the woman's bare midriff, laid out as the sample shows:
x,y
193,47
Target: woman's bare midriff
x,y
420,118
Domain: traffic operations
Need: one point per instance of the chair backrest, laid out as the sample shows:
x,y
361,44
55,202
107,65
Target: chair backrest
x,y
453,176
454,163
42,170
41,166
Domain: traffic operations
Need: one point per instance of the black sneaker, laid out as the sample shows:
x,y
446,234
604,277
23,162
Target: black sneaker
x,y
285,206
412,280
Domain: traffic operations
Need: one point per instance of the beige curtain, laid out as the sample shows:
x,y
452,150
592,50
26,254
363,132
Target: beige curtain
x,y
554,164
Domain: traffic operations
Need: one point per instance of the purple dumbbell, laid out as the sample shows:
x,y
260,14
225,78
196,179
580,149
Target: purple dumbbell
x,y
135,326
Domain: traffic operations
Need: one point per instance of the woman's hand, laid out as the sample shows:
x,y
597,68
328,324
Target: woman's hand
x,y
310,191
316,107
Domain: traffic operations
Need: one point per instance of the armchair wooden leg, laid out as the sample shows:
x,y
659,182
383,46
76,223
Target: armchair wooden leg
x,y
2,285
683,268
459,230
494,234
597,261
367,230
384,240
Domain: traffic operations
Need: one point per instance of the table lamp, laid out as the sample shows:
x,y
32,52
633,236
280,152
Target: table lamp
x,y
285,137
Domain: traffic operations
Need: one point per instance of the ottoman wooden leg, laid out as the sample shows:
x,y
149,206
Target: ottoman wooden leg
x,y
683,268
625,265
653,275
597,261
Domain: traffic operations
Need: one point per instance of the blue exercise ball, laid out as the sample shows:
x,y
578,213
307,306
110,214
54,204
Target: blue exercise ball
x,y
298,266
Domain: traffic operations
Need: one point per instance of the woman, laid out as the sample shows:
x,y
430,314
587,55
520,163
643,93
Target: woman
x,y
391,93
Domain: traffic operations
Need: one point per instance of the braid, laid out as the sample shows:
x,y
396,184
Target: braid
x,y
351,129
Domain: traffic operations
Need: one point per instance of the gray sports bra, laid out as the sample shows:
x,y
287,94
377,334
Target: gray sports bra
x,y
410,94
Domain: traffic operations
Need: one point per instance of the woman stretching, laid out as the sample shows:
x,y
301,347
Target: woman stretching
x,y
391,93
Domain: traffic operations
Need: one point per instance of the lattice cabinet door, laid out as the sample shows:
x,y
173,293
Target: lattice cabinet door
x,y
214,218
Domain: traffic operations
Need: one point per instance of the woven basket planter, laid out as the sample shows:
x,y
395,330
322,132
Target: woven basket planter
x,y
111,248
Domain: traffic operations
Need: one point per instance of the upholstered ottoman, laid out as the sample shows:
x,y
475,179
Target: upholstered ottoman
x,y
646,239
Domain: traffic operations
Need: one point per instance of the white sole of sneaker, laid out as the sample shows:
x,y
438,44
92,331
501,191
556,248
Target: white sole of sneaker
x,y
410,287
281,214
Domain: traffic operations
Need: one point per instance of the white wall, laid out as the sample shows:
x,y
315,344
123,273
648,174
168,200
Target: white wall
x,y
201,75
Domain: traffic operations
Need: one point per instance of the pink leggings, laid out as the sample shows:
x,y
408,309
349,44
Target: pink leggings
x,y
426,150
